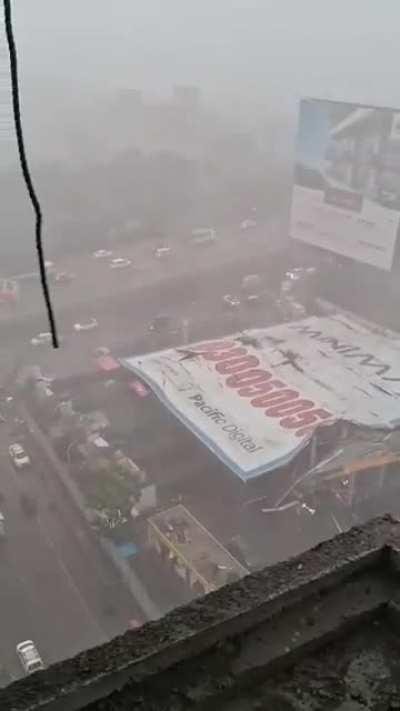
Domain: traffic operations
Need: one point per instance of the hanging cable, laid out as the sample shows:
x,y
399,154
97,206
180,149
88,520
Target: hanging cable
x,y
25,168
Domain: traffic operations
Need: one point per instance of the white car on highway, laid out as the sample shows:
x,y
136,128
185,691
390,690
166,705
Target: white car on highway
x,y
162,252
41,339
203,236
248,225
120,263
29,657
102,254
87,326
19,457
231,301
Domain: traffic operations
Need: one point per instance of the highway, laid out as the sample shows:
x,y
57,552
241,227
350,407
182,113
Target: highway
x,y
57,587
96,283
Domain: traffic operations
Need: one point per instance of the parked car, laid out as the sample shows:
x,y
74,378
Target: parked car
x,y
41,339
232,301
120,263
102,254
19,457
87,326
29,657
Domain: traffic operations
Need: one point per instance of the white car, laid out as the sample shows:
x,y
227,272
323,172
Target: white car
x,y
162,252
120,263
231,301
101,351
253,299
29,657
41,339
248,225
102,254
299,273
203,236
88,326
63,278
18,455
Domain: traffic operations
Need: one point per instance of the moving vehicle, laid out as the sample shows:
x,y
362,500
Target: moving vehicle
x,y
19,457
248,225
29,657
41,339
120,263
251,288
162,252
161,324
102,254
254,299
203,236
88,326
101,351
62,278
298,276
231,301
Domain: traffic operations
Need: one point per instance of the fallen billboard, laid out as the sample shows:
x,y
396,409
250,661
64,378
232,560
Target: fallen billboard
x,y
346,193
255,398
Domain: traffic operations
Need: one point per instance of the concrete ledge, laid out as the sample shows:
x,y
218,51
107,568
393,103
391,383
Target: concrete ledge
x,y
220,639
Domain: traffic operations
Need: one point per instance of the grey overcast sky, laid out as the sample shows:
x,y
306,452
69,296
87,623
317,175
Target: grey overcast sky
x,y
341,48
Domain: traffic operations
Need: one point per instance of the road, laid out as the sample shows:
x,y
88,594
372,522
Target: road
x,y
123,322
57,587
96,283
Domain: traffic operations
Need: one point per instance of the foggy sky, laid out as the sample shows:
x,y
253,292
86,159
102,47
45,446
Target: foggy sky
x,y
342,49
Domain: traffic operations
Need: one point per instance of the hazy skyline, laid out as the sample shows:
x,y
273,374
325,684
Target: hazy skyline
x,y
342,49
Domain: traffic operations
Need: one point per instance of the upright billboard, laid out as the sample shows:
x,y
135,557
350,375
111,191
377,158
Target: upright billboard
x,y
346,193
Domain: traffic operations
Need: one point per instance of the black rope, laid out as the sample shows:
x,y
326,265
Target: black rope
x,y
25,168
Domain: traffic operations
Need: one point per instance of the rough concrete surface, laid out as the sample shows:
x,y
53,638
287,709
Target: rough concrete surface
x,y
220,648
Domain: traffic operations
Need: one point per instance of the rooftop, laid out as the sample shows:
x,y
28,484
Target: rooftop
x,y
196,547
319,631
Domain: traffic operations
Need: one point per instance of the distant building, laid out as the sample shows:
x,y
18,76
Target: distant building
x,y
187,97
129,98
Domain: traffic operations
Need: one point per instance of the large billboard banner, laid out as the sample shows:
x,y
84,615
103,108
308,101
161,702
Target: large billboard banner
x,y
255,398
346,193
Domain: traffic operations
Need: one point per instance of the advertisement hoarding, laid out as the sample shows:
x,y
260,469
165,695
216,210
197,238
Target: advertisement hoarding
x,y
254,399
346,193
